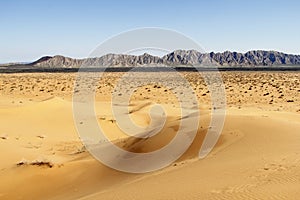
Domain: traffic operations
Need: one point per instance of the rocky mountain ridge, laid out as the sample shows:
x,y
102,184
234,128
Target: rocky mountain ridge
x,y
175,58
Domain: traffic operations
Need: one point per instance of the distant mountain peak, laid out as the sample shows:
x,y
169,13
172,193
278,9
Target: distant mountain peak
x,y
177,57
42,59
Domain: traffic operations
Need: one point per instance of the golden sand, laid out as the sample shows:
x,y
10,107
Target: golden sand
x,y
256,157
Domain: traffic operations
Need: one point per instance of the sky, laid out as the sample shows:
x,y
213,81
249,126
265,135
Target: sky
x,y
34,28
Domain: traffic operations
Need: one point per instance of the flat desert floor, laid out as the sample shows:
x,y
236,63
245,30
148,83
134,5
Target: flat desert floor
x,y
256,157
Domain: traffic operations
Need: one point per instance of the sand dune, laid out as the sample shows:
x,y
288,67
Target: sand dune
x,y
256,157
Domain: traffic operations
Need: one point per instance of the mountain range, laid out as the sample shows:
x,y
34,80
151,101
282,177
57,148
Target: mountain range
x,y
176,58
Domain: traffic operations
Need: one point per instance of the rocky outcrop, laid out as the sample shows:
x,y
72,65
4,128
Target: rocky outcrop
x,y
57,61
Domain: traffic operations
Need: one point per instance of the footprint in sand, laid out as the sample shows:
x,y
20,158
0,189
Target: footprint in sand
x,y
33,146
41,136
4,137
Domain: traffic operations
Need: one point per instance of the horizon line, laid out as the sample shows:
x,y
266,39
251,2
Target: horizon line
x,y
84,57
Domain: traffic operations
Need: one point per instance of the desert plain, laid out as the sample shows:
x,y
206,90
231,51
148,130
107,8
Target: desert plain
x,y
256,157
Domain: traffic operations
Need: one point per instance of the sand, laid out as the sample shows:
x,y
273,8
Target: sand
x,y
256,157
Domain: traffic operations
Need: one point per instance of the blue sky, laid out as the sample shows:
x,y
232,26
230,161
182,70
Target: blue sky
x,y
34,28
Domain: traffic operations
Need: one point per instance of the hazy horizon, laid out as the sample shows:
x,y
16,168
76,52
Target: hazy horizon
x,y
136,54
